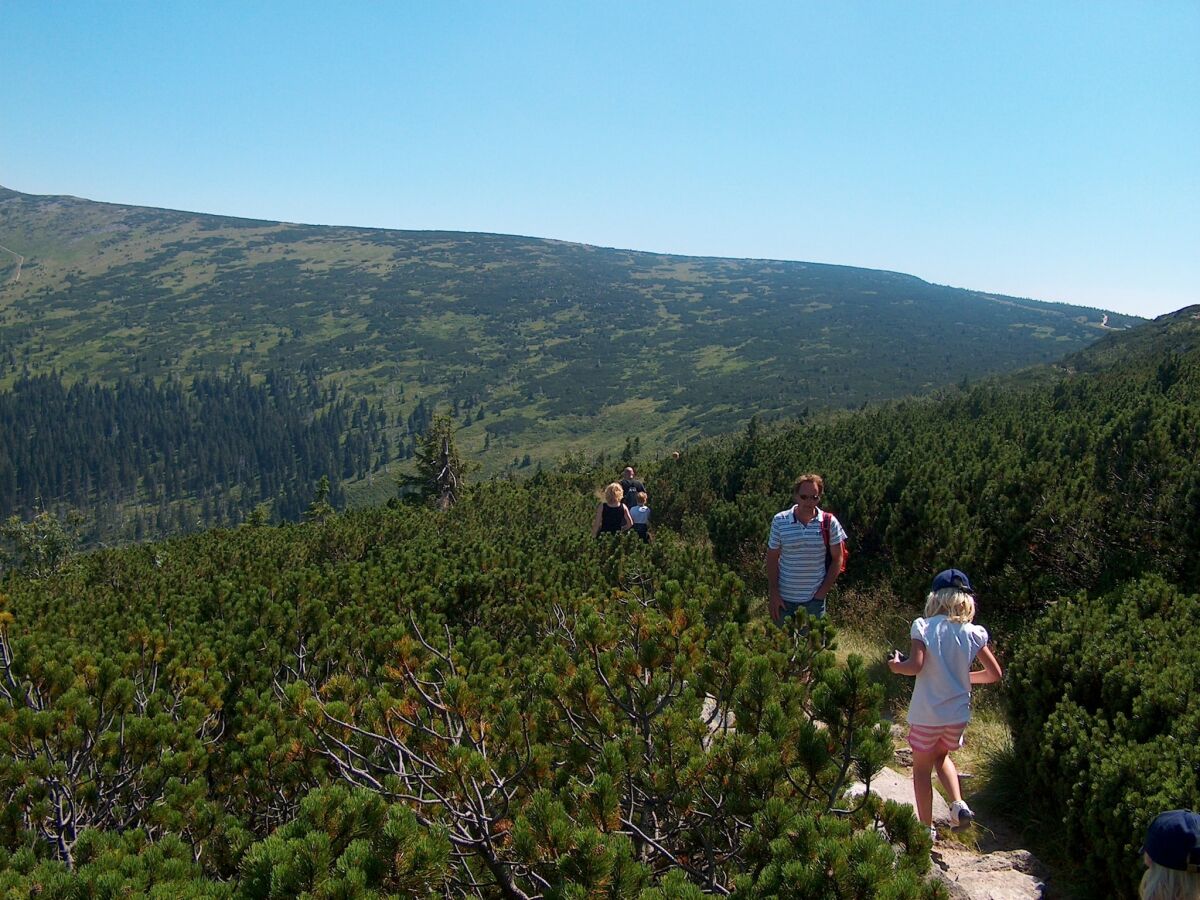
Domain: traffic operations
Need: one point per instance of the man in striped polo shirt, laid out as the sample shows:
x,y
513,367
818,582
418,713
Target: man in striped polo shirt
x,y
796,572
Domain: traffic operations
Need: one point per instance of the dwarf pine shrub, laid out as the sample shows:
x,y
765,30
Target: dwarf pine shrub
x,y
1105,708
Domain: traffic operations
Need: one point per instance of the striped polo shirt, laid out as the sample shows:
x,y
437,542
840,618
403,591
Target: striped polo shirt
x,y
801,553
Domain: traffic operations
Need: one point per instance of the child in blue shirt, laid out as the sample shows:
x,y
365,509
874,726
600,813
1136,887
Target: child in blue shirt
x,y
641,516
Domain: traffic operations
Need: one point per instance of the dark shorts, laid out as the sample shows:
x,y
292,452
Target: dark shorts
x,y
812,607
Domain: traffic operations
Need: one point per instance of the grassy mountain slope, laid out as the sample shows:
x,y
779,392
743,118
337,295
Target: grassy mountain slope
x,y
557,344
1177,334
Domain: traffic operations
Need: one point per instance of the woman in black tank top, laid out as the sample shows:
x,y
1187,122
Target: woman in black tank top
x,y
612,516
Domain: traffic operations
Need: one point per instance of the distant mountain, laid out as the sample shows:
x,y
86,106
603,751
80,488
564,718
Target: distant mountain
x,y
536,345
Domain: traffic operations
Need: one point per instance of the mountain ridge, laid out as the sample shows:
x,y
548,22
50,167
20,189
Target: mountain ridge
x,y
6,193
562,345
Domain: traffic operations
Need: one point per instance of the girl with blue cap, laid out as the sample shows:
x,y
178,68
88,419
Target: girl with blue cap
x,y
1172,855
945,643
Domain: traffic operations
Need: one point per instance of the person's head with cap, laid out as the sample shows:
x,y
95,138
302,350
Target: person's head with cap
x,y
1172,855
952,578
951,595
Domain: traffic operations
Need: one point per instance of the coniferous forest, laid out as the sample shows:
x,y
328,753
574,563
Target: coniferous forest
x,y
485,701
142,459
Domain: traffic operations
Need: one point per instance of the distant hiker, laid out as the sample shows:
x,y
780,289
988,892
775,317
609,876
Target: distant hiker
x,y
639,513
944,644
630,485
804,553
1171,852
612,516
675,456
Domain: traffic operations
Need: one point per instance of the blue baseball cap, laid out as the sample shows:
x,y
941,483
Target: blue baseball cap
x,y
952,578
1173,840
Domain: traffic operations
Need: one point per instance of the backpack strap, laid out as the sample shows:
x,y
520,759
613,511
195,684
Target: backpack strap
x,y
826,527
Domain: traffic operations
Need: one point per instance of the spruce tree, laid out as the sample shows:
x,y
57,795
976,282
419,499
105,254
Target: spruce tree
x,y
441,473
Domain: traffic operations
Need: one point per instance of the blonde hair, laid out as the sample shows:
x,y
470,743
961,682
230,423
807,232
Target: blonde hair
x,y
810,476
642,498
613,494
958,605
1161,883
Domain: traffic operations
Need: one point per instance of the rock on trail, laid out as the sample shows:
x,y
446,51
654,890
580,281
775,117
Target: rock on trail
x,y
969,875
1003,874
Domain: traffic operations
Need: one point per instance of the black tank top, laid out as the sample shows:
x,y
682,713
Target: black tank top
x,y
612,518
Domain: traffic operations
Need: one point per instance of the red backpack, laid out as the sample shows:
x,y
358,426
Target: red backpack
x,y
825,526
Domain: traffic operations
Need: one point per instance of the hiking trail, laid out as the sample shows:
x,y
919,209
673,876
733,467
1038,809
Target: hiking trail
x,y
20,262
998,870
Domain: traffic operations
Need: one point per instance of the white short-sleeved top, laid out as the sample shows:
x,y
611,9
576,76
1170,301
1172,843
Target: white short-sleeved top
x,y
942,695
801,552
641,514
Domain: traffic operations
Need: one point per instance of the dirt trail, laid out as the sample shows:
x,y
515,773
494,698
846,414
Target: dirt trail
x,y
999,869
20,262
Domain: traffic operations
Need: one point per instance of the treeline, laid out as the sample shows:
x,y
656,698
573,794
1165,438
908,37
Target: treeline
x,y
141,458
146,459
401,702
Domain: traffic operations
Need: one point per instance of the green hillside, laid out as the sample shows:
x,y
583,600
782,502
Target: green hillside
x,y
488,702
536,346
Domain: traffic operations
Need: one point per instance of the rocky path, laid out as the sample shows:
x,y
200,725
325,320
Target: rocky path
x,y
998,870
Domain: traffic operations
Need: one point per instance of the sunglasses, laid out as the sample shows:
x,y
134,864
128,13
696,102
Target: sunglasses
x,y
808,496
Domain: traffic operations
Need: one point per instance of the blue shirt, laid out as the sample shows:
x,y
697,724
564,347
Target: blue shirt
x,y
801,553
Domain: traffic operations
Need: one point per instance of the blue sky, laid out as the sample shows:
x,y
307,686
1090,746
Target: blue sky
x,y
1048,150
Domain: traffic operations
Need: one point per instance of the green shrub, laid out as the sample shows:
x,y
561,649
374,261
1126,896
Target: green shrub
x,y
516,705
1105,711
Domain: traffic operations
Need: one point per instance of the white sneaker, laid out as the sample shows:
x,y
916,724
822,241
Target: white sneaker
x,y
960,815
932,834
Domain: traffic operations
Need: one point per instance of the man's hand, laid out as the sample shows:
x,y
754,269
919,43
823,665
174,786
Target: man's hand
x,y
774,598
775,604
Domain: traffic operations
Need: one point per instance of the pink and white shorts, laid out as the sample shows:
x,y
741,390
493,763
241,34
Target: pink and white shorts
x,y
924,738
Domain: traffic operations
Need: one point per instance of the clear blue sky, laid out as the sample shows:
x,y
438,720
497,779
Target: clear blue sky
x,y
1049,150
